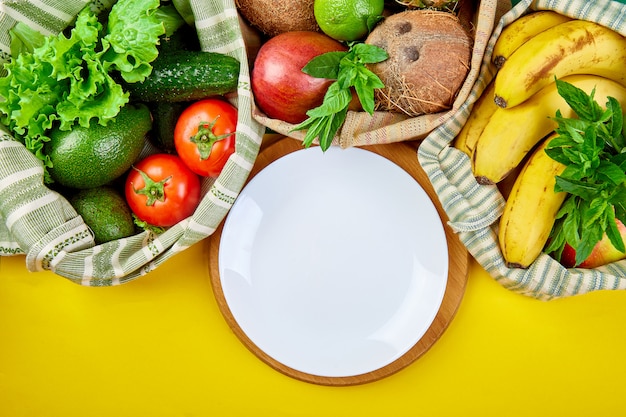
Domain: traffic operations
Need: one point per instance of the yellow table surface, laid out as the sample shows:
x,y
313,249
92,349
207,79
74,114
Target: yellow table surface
x,y
159,346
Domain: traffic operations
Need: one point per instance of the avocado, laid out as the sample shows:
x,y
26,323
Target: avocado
x,y
105,211
88,157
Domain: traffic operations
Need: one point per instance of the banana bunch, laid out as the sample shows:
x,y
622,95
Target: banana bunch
x,y
511,123
530,210
522,30
573,47
511,133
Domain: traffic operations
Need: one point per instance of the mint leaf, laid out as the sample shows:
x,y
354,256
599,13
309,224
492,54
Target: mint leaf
x,y
349,71
581,189
618,201
613,232
593,148
582,104
608,172
615,125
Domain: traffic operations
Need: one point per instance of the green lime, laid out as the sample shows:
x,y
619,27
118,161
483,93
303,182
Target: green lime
x,y
347,20
106,213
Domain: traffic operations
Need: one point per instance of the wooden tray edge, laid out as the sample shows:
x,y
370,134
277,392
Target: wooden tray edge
x,y
404,155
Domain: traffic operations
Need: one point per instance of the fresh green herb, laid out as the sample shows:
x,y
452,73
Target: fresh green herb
x,y
63,81
349,70
593,148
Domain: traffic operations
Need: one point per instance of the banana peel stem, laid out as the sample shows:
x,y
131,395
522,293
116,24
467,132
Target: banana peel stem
x,y
499,61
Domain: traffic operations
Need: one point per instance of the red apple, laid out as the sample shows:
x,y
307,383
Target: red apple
x,y
602,253
281,90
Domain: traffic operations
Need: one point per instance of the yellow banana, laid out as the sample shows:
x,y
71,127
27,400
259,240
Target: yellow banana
x,y
511,133
530,210
574,47
480,114
523,29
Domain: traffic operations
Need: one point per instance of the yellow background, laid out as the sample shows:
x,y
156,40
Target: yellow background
x,y
158,346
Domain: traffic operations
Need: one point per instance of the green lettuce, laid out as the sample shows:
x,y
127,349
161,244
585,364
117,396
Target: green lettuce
x,y
61,81
132,35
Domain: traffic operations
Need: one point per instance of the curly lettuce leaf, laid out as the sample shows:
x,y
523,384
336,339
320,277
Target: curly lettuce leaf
x,y
61,80
91,92
24,39
133,33
80,105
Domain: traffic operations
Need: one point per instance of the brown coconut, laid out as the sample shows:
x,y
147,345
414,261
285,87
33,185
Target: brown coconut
x,y
429,58
274,17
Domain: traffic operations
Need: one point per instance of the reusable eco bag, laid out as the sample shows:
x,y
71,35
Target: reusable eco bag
x,y
360,128
474,210
41,224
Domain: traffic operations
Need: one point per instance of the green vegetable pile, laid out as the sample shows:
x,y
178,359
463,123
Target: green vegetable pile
x,y
71,78
593,149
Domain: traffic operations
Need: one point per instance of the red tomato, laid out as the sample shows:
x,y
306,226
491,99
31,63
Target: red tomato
x,y
161,190
204,135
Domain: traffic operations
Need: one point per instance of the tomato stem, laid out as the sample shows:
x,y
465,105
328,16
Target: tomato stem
x,y
153,190
205,138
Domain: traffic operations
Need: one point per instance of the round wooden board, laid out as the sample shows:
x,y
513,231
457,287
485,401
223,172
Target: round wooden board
x,y
404,155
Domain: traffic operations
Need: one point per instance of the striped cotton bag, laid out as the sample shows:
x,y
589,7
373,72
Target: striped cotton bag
x,y
41,224
474,209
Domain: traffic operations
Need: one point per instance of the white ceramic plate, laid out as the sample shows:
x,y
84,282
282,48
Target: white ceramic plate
x,y
333,263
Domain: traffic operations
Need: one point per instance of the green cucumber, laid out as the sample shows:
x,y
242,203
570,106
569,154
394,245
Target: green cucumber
x,y
187,76
165,115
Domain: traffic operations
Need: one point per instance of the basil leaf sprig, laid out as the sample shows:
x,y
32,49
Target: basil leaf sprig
x,y
349,70
593,149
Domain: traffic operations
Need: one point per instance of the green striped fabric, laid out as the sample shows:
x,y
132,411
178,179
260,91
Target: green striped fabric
x,y
41,224
474,209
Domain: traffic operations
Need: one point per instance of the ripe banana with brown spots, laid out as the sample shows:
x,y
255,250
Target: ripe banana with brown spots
x,y
574,47
523,29
512,133
481,112
531,208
